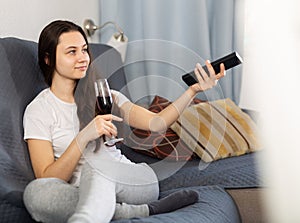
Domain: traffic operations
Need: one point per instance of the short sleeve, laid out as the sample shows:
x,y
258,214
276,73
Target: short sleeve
x,y
37,122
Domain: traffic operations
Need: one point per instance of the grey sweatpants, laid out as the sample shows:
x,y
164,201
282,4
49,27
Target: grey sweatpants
x,y
108,190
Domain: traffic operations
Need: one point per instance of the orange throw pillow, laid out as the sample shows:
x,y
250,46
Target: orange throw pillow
x,y
166,145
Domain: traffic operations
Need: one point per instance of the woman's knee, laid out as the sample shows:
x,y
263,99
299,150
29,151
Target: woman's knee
x,y
50,199
137,194
141,186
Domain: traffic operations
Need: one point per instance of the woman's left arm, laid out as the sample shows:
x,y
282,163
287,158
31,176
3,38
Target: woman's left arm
x,y
142,118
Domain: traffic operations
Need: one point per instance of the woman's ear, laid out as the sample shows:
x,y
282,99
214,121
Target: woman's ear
x,y
46,59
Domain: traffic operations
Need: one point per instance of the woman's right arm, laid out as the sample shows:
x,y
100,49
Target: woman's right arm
x,y
43,161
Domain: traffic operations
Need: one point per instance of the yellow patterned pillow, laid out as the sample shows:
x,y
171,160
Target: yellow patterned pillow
x,y
217,130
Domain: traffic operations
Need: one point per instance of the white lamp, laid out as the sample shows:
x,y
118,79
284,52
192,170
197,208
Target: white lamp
x,y
118,40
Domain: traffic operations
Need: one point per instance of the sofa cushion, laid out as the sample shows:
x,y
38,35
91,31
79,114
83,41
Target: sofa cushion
x,y
217,130
214,205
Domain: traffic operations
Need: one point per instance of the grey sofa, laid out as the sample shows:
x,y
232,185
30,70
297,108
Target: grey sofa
x,y
21,81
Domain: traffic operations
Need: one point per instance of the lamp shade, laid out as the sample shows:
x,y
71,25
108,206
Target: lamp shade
x,y
119,42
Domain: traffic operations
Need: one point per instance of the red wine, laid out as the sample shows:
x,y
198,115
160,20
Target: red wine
x,y
103,105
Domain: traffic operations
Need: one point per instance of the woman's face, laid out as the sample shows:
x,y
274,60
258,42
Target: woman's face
x,y
72,58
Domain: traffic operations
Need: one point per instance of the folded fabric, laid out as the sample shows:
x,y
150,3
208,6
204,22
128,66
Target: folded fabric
x,y
217,129
165,145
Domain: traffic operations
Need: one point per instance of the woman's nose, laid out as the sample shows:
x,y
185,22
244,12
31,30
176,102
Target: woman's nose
x,y
83,56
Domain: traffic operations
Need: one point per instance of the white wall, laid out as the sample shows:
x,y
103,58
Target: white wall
x,y
26,18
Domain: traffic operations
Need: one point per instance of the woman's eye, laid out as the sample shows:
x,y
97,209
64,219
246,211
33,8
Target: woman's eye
x,y
85,50
72,52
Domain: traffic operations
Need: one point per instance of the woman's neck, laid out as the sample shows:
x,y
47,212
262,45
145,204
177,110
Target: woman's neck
x,y
64,91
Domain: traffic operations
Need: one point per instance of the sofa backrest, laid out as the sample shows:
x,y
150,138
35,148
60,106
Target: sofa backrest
x,y
20,81
108,64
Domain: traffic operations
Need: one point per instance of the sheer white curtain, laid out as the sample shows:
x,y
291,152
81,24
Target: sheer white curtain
x,y
168,37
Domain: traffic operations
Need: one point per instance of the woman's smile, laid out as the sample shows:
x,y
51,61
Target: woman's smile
x,y
81,68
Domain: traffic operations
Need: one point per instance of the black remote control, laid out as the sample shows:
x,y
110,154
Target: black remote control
x,y
229,61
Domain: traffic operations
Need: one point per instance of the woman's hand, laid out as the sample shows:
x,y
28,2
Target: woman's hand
x,y
206,81
100,125
104,125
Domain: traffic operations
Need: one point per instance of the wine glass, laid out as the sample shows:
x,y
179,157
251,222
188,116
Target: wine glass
x,y
104,103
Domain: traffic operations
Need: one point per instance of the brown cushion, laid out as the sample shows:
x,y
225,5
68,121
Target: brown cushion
x,y
217,130
160,145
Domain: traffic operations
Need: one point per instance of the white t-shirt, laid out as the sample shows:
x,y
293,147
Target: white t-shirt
x,y
49,118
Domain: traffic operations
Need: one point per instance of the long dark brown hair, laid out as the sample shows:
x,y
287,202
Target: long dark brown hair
x,y
47,45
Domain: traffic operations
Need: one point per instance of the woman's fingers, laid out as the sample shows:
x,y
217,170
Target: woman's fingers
x,y
110,117
212,74
105,126
198,71
210,68
222,71
110,129
207,81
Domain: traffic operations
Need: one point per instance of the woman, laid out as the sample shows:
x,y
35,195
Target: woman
x,y
74,182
